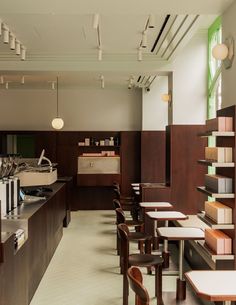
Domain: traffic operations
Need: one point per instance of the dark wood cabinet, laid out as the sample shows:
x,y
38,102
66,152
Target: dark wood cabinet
x,y
21,271
153,156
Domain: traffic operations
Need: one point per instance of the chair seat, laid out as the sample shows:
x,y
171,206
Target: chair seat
x,y
139,236
145,260
133,223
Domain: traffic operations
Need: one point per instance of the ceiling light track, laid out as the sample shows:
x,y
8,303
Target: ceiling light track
x,y
10,38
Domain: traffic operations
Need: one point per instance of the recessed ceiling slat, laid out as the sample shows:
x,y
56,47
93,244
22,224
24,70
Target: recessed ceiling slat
x,y
185,28
173,33
160,32
166,32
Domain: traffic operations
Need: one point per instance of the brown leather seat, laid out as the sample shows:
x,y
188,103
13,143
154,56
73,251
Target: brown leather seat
x,y
141,260
135,279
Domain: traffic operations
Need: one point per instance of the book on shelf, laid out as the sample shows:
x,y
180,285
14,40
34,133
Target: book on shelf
x,y
219,184
219,124
219,154
218,241
218,212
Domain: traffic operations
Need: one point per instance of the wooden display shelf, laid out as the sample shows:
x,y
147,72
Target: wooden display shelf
x,y
213,224
212,255
98,146
216,164
218,134
214,195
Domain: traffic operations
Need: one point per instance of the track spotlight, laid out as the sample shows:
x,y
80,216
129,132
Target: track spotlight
x,y
17,47
23,53
23,80
12,42
7,85
0,27
102,82
144,39
140,54
95,21
99,54
53,85
5,34
1,80
151,21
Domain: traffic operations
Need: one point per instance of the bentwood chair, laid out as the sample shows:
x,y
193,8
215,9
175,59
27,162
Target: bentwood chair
x,y
140,260
135,279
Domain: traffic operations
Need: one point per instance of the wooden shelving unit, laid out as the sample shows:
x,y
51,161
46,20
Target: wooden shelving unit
x,y
215,195
218,134
223,139
213,224
216,164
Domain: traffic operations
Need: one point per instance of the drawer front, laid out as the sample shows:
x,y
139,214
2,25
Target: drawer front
x,y
98,165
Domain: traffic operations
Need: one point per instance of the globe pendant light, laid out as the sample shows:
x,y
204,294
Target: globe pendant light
x,y
57,123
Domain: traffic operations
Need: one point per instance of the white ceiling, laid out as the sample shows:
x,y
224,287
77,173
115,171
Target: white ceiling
x,y
59,36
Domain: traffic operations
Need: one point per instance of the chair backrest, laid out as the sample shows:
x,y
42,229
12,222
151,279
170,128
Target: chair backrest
x,y
116,204
120,216
123,232
117,193
136,283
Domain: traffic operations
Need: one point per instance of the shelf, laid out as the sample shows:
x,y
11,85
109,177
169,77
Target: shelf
x,y
98,146
213,224
214,195
212,255
218,134
216,164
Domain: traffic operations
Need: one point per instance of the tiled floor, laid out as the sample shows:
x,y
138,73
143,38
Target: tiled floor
x,y
84,269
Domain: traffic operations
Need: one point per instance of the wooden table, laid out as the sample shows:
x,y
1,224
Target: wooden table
x,y
165,216
154,206
212,285
181,234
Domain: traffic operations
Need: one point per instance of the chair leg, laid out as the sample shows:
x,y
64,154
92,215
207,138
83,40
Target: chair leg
x,y
125,288
117,243
158,284
141,247
148,250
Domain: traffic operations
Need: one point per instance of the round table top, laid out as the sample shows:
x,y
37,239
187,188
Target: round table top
x,y
167,215
135,184
181,233
136,188
155,204
213,285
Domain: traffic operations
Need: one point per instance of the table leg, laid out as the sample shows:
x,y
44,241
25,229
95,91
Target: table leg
x,y
181,284
165,253
155,238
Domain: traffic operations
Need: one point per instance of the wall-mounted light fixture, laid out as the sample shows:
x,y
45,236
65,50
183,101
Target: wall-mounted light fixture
x,y
225,52
57,122
166,97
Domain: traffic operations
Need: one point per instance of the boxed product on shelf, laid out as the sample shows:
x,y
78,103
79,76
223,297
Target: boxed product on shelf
x,y
219,154
220,124
218,241
219,184
217,211
87,141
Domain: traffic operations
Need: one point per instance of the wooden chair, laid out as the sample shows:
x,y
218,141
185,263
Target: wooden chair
x,y
135,279
140,260
120,218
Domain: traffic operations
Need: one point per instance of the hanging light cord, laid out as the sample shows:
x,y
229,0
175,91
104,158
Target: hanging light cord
x,y
57,96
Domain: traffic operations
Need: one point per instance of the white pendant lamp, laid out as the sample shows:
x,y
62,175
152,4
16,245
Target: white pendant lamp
x,y
57,123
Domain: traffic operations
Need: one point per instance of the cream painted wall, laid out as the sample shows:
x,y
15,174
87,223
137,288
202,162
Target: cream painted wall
x,y
81,109
229,76
155,111
190,82
189,89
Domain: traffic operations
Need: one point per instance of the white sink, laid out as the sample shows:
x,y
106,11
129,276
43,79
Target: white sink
x,y
37,178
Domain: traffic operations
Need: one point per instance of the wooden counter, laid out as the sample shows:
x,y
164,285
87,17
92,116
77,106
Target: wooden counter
x,y
21,270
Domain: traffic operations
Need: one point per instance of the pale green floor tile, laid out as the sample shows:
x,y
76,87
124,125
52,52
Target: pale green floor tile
x,y
84,269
